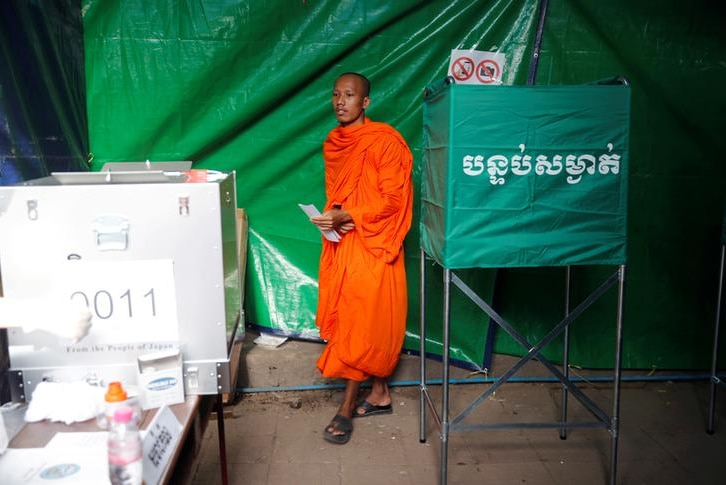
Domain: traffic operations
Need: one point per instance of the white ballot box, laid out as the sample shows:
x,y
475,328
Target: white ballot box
x,y
153,254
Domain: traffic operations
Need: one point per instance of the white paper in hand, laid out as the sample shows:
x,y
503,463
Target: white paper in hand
x,y
313,211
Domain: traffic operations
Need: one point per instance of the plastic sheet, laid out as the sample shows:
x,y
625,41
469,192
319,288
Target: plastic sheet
x,y
245,86
238,85
672,54
42,90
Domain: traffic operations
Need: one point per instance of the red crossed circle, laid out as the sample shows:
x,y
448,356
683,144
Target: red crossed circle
x,y
487,71
462,68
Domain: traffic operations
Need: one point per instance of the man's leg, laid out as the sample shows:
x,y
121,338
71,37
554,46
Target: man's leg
x,y
380,394
349,398
346,407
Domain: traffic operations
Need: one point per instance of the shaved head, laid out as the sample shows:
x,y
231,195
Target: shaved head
x,y
350,98
366,84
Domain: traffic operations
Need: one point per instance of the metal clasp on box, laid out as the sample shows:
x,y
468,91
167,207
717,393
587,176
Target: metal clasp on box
x,y
192,376
112,232
184,205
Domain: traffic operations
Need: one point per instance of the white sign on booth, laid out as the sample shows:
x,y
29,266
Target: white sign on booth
x,y
476,67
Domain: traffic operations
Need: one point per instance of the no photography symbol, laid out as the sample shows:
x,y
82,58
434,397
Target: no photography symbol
x,y
487,71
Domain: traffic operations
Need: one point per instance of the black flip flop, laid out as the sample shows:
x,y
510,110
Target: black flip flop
x,y
341,424
370,409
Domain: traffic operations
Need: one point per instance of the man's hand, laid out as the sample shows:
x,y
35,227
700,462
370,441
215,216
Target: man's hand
x,y
66,318
72,320
334,219
345,227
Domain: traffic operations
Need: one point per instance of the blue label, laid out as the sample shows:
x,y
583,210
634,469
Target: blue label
x,y
60,471
161,384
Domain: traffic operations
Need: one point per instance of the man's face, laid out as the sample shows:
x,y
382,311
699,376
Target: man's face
x,y
349,102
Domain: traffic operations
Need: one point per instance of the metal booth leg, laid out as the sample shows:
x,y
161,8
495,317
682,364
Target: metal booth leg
x,y
222,439
422,348
614,428
445,378
566,352
714,361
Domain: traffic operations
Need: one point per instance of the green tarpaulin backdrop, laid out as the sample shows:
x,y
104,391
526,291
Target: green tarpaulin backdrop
x,y
245,86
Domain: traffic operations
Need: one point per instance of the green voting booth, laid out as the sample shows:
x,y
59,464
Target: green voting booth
x,y
524,176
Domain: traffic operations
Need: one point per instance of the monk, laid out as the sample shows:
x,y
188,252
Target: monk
x,y
362,281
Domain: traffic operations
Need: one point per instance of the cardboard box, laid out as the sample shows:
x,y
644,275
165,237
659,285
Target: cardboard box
x,y
160,379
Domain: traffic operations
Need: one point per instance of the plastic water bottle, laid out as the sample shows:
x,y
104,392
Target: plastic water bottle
x,y
115,397
124,449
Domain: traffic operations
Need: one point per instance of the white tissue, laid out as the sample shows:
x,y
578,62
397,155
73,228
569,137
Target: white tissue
x,y
67,402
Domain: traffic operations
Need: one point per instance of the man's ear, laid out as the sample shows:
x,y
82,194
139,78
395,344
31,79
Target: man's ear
x,y
366,102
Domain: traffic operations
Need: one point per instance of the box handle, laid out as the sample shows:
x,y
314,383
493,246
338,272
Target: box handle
x,y
112,232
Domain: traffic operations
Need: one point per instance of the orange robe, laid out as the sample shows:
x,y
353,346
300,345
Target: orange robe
x,y
362,281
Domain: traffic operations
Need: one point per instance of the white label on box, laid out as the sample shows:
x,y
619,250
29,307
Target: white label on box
x,y
131,301
160,379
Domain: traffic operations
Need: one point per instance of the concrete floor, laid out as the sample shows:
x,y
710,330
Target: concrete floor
x,y
275,436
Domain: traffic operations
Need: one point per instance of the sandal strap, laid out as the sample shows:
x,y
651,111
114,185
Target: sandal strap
x,y
341,423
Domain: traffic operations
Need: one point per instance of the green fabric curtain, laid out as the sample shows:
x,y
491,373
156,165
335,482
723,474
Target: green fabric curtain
x,y
42,90
672,53
244,86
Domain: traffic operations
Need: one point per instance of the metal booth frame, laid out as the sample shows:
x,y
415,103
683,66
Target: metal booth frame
x,y
444,422
447,241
